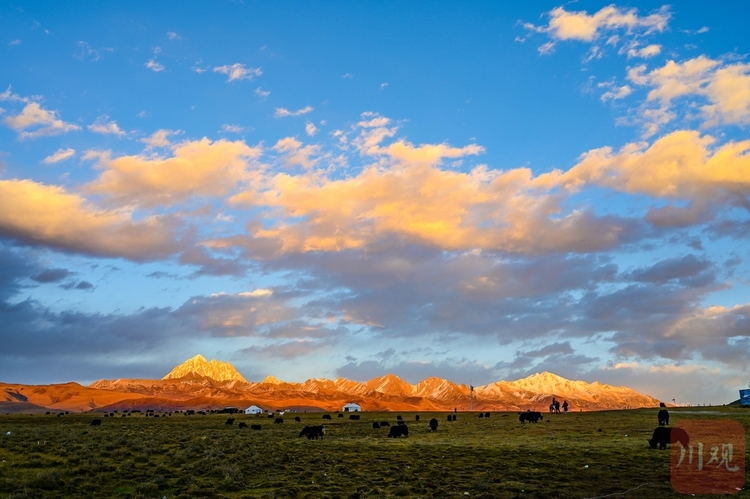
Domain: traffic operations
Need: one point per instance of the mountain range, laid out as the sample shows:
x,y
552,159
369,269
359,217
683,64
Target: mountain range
x,y
200,384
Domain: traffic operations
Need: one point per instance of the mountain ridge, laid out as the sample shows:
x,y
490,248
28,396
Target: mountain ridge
x,y
194,385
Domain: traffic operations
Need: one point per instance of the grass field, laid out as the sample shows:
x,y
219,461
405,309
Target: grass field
x,y
200,456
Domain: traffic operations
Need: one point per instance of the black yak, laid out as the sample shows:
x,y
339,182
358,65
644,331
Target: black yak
x,y
663,417
398,431
663,436
297,419
278,420
255,427
355,417
243,425
385,423
375,425
312,432
433,424
230,421
326,416
532,417
96,422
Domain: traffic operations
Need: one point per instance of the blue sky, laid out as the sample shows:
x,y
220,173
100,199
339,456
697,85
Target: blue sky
x,y
477,192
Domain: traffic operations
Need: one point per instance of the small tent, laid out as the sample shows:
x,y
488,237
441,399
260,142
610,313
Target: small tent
x,y
352,407
253,409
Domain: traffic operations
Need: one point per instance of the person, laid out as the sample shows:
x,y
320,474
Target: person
x,y
565,406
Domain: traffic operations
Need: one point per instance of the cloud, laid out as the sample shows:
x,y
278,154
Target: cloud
x,y
570,25
154,66
51,275
39,214
173,36
724,87
617,93
238,71
295,153
644,52
59,155
282,113
567,25
160,138
680,166
41,122
232,128
261,94
194,168
310,129
102,126
94,54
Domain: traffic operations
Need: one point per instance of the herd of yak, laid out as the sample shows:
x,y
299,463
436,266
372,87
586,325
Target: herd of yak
x,y
662,436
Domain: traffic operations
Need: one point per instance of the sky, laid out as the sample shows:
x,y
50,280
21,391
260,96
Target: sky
x,y
477,191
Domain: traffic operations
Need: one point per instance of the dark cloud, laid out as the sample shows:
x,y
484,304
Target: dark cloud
x,y
51,275
682,268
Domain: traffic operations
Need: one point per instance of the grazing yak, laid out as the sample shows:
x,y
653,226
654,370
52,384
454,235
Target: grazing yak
x,y
96,422
255,427
450,417
297,419
454,417
355,417
278,420
312,432
243,425
375,425
663,417
230,421
663,436
416,417
532,417
486,414
326,416
481,414
433,424
341,415
385,423
400,430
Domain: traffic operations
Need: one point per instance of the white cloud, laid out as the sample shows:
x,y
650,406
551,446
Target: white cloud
x,y
310,129
173,36
59,155
568,25
11,97
262,94
238,71
645,52
160,138
617,93
45,122
154,66
102,126
725,88
283,113
232,128
547,48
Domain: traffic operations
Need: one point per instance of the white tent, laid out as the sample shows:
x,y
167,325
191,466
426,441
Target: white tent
x,y
352,407
253,409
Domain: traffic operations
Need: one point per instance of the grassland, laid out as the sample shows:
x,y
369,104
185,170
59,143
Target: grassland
x,y
574,455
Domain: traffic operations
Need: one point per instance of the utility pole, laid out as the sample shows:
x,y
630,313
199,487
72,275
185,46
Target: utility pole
x,y
471,396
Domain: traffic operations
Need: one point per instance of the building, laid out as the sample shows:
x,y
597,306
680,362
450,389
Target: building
x,y
352,407
253,409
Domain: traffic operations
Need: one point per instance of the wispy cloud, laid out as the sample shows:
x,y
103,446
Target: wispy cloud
x,y
104,127
283,112
238,71
59,155
154,66
262,94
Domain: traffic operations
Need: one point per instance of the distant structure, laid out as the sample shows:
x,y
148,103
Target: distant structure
x,y
253,409
352,407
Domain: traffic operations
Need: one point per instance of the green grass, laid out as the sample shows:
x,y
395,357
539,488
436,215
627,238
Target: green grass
x,y
200,456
